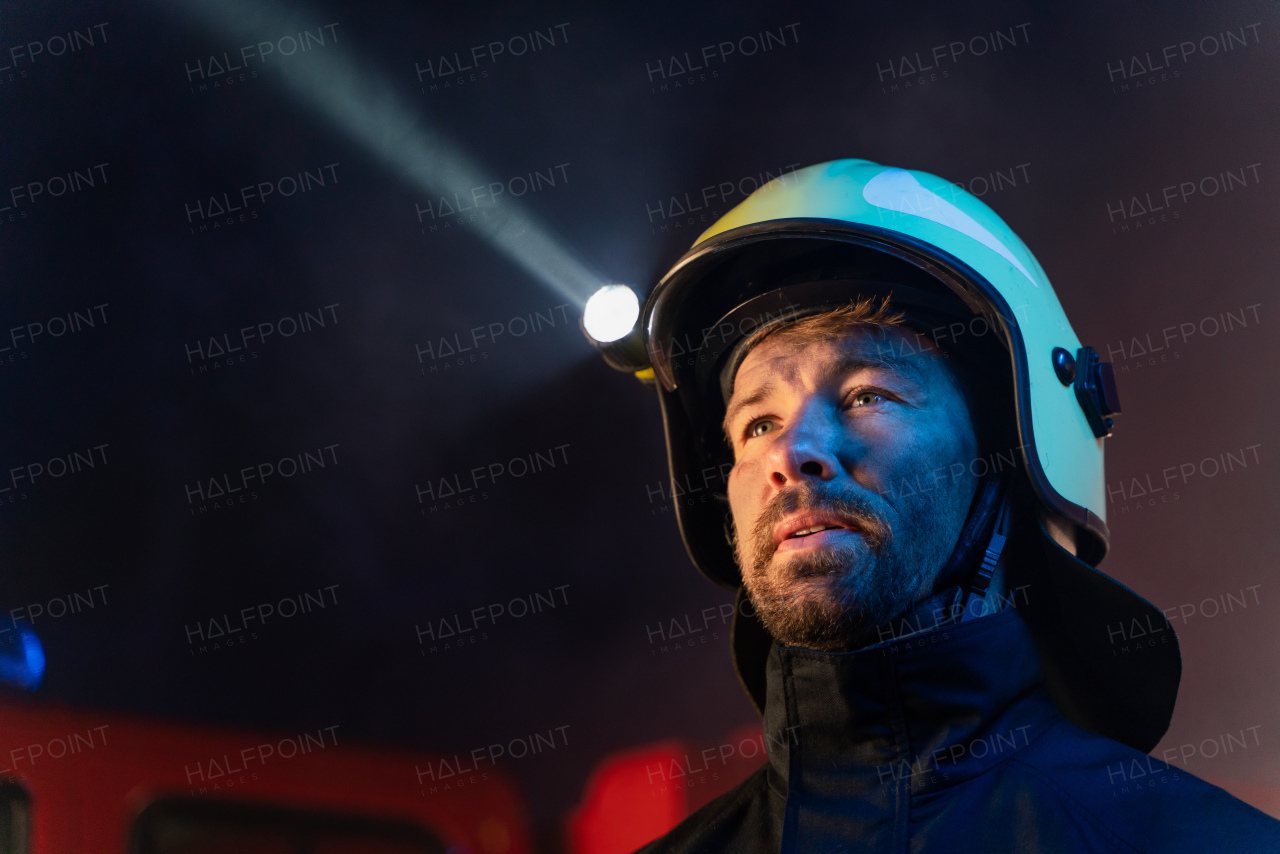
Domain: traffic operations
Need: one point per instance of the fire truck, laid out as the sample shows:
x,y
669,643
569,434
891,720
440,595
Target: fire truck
x,y
75,781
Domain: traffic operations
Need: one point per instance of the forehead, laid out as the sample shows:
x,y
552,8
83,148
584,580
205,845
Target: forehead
x,y
896,349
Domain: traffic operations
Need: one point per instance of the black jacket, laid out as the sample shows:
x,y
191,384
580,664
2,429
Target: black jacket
x,y
945,741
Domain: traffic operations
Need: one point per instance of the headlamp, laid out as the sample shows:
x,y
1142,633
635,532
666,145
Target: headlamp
x,y
611,322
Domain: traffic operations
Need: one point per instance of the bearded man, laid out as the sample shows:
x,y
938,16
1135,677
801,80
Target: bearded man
x,y
914,508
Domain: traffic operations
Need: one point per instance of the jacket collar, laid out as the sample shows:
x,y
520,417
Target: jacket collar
x,y
905,716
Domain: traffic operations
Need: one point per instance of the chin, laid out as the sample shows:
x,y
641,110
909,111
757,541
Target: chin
x,y
813,590
812,601
826,570
826,604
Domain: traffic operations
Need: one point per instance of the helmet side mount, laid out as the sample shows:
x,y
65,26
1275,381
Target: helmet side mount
x,y
1095,386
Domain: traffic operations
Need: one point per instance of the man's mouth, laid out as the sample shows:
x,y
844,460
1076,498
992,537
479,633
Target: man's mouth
x,y
812,528
815,529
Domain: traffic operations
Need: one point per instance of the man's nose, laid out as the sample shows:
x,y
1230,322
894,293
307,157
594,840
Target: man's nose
x,y
804,451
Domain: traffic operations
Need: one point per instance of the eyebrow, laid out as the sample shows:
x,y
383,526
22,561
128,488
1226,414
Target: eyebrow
x,y
846,365
750,400
902,367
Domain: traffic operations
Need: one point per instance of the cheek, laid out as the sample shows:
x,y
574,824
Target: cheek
x,y
957,442
880,452
919,452
743,484
745,472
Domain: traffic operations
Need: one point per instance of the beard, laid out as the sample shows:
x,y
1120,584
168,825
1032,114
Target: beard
x,y
833,599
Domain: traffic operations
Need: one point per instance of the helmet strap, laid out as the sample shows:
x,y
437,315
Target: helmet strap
x,y
974,594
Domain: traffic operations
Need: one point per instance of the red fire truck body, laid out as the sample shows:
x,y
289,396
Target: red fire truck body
x,y
76,781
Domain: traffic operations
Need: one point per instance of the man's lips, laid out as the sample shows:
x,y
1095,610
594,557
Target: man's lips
x,y
812,528
826,537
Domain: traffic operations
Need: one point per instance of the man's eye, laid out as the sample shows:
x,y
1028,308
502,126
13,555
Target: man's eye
x,y
866,398
759,428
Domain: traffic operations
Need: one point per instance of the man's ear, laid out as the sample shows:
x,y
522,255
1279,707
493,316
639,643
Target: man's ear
x,y
1063,534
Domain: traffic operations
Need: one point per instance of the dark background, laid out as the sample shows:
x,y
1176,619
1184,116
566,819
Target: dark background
x,y
1047,113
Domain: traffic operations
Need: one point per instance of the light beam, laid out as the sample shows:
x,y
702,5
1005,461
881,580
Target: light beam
x,y
364,105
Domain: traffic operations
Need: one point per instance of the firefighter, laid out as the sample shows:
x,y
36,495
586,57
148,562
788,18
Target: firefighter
x,y
912,516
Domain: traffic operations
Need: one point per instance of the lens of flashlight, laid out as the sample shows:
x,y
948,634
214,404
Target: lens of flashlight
x,y
611,313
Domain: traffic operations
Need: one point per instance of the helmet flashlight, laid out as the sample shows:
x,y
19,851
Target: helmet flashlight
x,y
611,323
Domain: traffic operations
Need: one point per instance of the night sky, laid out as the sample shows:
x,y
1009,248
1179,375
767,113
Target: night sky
x,y
159,201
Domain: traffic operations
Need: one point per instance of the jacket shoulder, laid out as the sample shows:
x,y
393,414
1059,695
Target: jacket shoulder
x,y
1148,803
738,820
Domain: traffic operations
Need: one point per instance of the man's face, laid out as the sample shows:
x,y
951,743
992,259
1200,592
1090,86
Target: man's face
x,y
844,503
